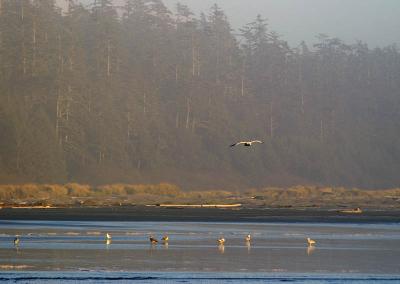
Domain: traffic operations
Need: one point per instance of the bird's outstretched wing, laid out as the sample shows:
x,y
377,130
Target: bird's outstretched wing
x,y
256,141
238,143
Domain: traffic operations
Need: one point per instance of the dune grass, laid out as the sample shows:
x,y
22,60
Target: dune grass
x,y
72,194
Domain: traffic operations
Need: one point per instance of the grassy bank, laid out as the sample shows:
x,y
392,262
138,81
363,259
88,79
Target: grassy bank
x,y
73,194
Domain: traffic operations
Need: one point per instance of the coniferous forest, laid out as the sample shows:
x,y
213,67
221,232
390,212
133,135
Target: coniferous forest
x,y
100,94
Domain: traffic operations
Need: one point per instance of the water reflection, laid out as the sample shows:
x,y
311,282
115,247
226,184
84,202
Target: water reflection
x,y
248,245
310,250
221,248
284,247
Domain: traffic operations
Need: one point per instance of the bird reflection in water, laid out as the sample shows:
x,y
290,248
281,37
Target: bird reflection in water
x,y
310,250
221,248
108,243
248,245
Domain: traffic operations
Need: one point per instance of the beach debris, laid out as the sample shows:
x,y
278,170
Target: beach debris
x,y
352,211
181,206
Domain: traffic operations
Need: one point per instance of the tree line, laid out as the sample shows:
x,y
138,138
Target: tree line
x,y
139,93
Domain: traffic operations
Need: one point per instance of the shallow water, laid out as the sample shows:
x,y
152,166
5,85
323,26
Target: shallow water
x,y
52,251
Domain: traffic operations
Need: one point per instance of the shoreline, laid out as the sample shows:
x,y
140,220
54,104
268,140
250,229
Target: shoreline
x,y
171,214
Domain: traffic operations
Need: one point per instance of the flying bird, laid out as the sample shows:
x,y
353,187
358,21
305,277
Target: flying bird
x,y
165,238
108,236
246,143
310,242
248,238
221,241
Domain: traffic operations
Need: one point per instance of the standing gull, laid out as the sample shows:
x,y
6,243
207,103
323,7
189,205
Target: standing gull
x,y
153,241
310,242
165,239
246,143
16,241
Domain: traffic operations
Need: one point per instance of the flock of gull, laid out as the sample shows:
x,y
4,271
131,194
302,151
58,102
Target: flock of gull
x,y
165,239
221,241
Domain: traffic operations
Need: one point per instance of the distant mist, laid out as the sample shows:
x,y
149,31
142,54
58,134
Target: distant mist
x,y
375,22
92,97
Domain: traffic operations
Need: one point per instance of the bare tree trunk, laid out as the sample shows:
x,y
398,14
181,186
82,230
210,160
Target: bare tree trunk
x,y
71,63
193,57
22,11
58,117
198,62
23,59
369,75
23,40
242,87
128,132
108,58
144,102
34,45
18,153
68,101
177,120
193,124
271,121
321,134
300,75
18,158
187,112
217,67
60,57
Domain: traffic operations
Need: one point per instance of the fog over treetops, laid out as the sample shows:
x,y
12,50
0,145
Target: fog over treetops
x,y
376,22
143,94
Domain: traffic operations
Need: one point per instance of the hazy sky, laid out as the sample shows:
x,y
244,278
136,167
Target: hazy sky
x,y
376,22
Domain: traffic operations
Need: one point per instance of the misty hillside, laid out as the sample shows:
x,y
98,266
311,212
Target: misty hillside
x,y
147,95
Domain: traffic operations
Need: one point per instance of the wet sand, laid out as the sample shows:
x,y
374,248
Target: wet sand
x,y
143,213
